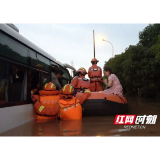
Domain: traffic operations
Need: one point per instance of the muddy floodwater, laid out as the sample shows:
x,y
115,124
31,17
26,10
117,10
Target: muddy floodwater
x,y
96,126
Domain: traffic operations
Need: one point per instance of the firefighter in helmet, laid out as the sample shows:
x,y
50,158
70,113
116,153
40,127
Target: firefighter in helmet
x,y
80,81
45,103
69,106
95,75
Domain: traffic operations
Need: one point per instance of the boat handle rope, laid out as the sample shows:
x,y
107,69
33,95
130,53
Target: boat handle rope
x,y
120,98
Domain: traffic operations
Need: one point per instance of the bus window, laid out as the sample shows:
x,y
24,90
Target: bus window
x,y
65,78
12,49
46,62
3,82
17,90
64,81
13,83
54,66
39,61
35,82
44,78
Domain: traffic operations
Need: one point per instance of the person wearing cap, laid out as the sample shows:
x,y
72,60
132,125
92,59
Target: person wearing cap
x,y
95,75
80,81
69,106
45,103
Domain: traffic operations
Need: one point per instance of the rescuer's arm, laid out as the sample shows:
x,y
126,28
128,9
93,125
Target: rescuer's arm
x,y
74,82
41,109
89,72
83,96
35,98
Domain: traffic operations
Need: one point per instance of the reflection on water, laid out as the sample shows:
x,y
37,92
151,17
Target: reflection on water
x,y
94,126
116,135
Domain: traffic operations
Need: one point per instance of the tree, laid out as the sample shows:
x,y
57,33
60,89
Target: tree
x,y
149,36
139,65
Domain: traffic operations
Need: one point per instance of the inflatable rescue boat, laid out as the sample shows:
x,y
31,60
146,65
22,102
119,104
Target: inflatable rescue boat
x,y
102,104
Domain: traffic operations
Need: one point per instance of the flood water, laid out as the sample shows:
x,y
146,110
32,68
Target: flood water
x,y
95,126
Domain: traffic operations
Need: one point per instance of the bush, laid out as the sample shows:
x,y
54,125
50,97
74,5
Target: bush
x,y
147,92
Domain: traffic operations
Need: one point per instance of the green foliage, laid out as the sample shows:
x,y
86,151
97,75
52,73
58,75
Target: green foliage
x,y
149,35
103,85
139,65
155,49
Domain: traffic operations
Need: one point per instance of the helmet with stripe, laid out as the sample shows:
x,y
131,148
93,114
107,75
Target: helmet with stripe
x,y
94,60
68,90
82,70
49,87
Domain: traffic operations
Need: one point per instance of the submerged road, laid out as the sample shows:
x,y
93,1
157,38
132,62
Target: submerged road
x,y
95,126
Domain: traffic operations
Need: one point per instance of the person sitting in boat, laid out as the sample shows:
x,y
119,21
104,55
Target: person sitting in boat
x,y
80,81
69,106
45,103
113,82
95,75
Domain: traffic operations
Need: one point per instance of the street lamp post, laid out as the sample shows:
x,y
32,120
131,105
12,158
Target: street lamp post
x,y
112,46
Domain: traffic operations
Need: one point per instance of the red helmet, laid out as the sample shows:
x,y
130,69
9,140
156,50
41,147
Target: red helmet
x,y
49,87
82,70
68,90
94,60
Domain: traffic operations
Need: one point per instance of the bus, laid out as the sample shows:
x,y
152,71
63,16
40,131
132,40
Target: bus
x,y
22,66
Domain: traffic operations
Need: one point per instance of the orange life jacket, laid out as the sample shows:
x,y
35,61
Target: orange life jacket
x,y
45,106
95,71
70,110
49,101
83,83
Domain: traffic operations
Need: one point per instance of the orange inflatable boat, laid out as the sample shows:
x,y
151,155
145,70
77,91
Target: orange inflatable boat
x,y
102,104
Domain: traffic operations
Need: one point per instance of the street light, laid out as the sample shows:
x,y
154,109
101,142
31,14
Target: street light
x,y
111,44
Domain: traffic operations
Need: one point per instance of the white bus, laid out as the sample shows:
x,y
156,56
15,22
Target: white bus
x,y
22,66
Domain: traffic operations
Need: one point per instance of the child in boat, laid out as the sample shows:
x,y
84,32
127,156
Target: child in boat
x,y
112,82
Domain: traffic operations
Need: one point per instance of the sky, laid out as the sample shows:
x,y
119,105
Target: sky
x,y
74,41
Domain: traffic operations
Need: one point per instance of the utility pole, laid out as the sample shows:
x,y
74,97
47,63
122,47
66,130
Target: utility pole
x,y
72,64
93,44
